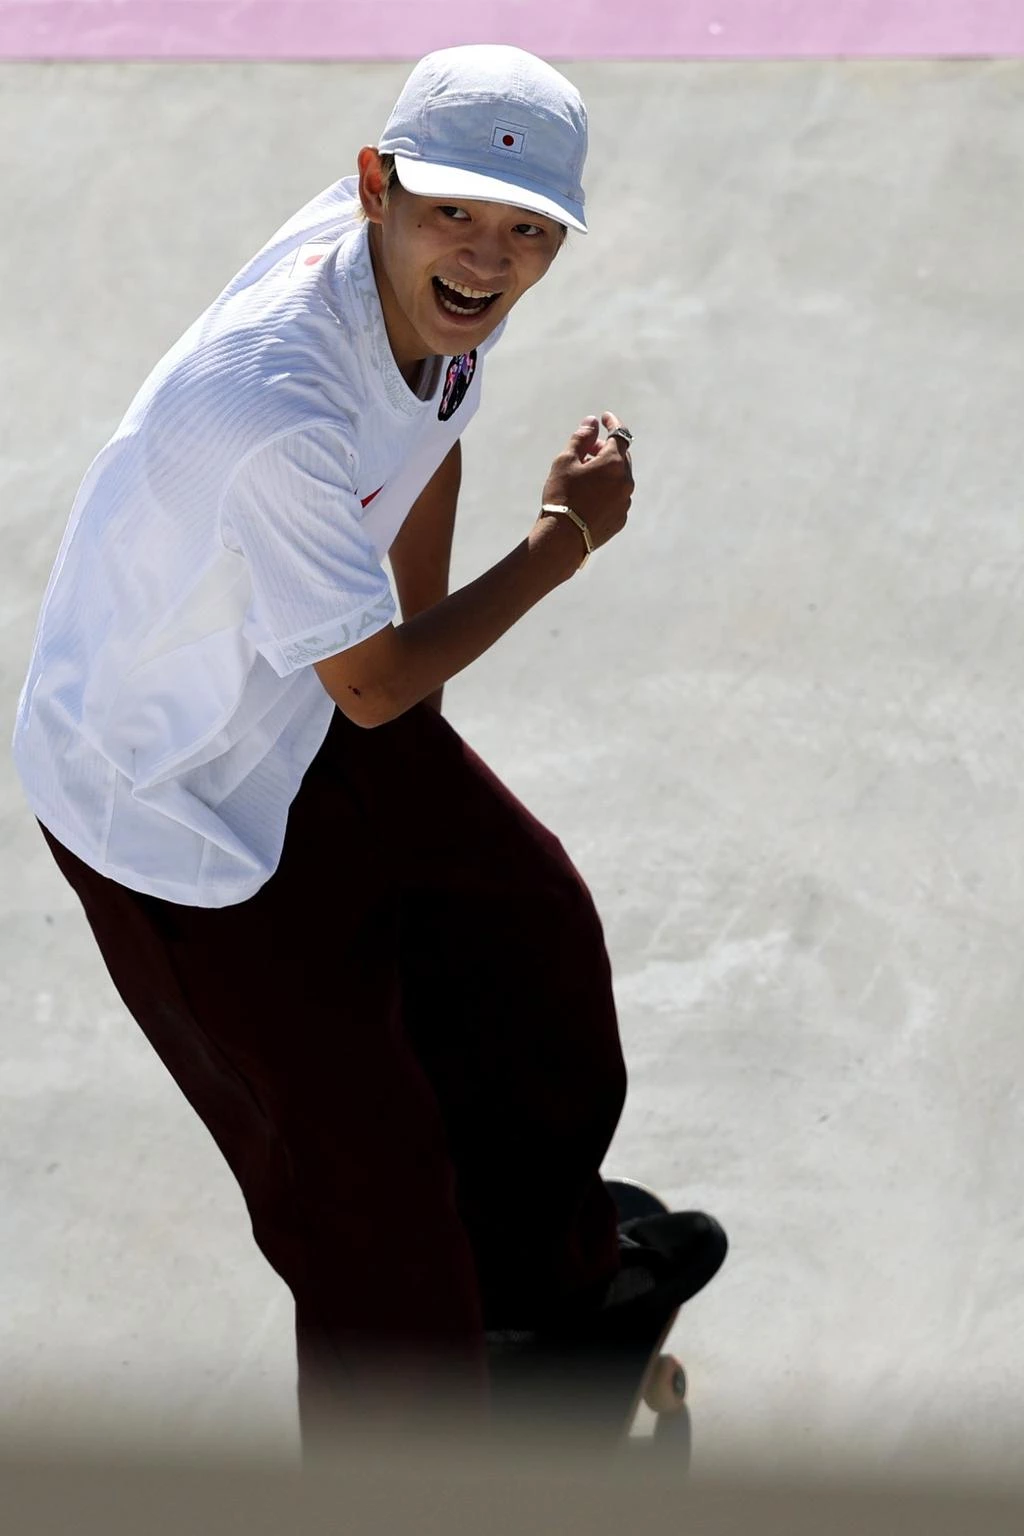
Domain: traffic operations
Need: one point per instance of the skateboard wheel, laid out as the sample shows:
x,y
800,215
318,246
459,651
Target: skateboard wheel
x,y
665,1391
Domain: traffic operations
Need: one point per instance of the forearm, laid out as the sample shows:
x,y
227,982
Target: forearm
x,y
379,680
439,643
396,668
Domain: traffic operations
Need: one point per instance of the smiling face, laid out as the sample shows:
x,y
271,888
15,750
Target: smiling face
x,y
448,273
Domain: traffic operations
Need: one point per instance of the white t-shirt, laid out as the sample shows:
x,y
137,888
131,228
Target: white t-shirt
x,y
230,534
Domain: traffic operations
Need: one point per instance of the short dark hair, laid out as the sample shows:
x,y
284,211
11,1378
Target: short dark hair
x,y
390,175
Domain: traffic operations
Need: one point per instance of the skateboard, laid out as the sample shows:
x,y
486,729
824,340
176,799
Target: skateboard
x,y
591,1377
663,1386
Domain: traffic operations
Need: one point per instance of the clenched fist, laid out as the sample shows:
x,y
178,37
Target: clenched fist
x,y
595,479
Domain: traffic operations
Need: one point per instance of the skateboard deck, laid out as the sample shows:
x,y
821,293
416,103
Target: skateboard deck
x,y
594,1378
663,1386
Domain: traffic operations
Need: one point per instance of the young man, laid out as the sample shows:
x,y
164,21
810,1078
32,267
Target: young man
x,y
375,976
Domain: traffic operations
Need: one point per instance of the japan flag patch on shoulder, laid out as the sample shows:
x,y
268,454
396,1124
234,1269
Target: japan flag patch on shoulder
x,y
508,139
310,255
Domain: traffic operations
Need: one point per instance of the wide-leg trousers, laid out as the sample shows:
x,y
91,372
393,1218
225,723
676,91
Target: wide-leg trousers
x,y
405,1046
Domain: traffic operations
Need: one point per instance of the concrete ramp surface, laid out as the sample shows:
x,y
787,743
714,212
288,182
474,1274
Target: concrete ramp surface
x,y
777,724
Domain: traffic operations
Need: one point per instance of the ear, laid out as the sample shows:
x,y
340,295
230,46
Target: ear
x,y
371,185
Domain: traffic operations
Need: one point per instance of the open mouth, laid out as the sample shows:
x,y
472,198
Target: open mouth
x,y
457,299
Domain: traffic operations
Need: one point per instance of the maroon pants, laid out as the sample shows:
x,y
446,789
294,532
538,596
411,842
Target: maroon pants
x,y
405,1046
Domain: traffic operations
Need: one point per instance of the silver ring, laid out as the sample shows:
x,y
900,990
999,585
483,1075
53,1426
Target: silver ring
x,y
624,433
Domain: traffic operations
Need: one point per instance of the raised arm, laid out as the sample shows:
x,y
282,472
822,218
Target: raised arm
x,y
380,678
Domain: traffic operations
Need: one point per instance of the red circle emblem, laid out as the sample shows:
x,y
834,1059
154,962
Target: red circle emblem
x,y
508,141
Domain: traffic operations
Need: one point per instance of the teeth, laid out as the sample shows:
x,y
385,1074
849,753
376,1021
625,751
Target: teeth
x,y
469,293
458,309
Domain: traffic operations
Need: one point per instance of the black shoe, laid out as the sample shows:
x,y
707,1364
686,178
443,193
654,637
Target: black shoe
x,y
665,1260
586,1372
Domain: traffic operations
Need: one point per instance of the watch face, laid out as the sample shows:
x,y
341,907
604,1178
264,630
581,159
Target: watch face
x,y
456,382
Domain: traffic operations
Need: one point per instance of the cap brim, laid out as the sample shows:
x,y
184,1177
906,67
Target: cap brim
x,y
425,179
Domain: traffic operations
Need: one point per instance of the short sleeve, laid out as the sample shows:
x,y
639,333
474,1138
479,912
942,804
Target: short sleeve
x,y
292,512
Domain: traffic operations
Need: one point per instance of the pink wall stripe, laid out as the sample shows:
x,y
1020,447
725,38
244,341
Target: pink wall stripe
x,y
566,29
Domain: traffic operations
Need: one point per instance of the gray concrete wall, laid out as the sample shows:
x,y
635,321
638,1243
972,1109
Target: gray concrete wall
x,y
777,723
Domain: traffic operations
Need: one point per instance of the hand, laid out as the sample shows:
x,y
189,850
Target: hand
x,y
595,479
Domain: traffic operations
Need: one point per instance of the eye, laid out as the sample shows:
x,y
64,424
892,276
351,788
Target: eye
x,y
451,212
530,230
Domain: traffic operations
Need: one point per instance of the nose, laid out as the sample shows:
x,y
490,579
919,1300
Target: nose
x,y
485,258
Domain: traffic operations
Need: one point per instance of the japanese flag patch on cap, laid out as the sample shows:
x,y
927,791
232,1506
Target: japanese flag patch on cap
x,y
493,124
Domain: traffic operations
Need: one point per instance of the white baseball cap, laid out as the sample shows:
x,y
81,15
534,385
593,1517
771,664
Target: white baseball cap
x,y
491,124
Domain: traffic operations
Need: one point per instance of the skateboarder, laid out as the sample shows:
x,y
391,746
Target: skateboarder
x,y
378,980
